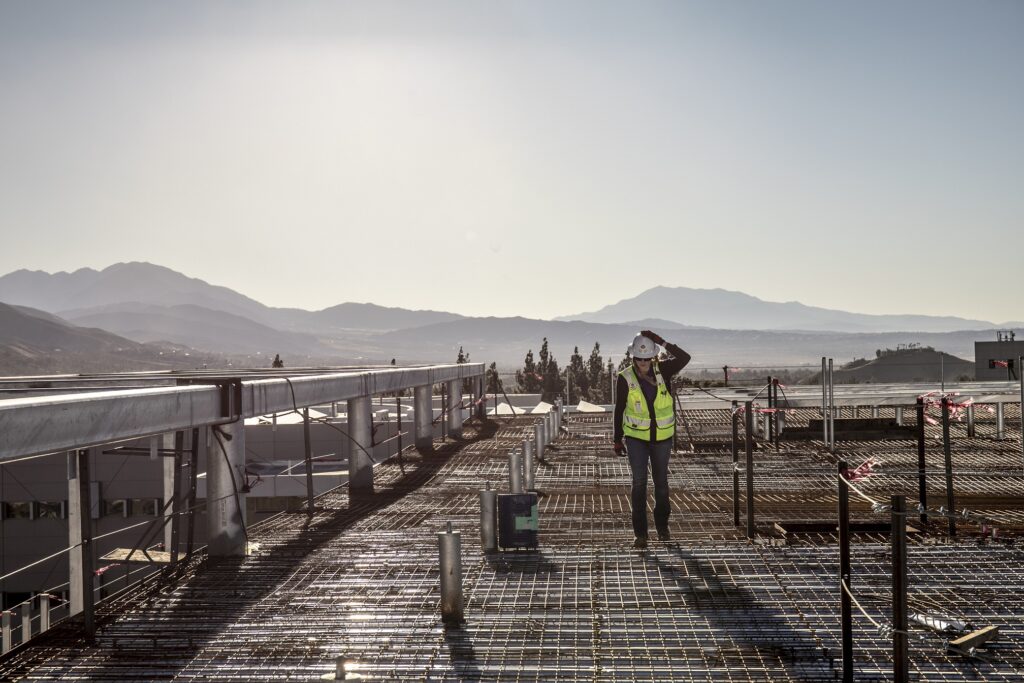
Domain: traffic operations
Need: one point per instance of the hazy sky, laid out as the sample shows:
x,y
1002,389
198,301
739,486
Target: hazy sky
x,y
524,158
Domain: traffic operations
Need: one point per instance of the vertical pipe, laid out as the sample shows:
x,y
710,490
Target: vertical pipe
x,y
360,428
970,422
528,464
874,411
423,413
455,409
515,471
444,409
539,438
1000,421
735,464
947,452
398,413
769,422
922,478
899,415
488,517
225,499
1020,374
900,651
308,444
44,612
845,604
450,550
750,468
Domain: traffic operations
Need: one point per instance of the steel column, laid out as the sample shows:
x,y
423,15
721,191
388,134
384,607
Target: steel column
x,y
225,497
947,453
455,409
167,465
308,452
845,603
80,557
360,458
450,550
423,413
900,651
1000,421
735,464
528,464
922,478
750,469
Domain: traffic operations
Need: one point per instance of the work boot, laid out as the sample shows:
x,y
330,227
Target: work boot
x,y
640,542
664,535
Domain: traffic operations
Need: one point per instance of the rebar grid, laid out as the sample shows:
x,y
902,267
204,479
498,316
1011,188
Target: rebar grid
x,y
359,580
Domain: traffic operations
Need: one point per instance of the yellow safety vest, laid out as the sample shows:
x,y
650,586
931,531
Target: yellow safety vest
x,y
636,419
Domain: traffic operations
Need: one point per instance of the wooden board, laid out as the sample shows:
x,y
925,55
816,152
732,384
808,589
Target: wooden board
x,y
155,556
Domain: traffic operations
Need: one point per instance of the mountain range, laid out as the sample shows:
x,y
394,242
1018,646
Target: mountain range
x,y
149,305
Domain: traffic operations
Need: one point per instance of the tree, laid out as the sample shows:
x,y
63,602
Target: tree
x,y
467,386
493,380
579,381
598,390
552,384
528,380
626,361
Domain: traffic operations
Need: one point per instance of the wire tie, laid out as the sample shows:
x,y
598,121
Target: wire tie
x,y
879,507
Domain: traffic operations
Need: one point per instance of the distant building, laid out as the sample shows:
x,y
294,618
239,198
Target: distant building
x,y
998,360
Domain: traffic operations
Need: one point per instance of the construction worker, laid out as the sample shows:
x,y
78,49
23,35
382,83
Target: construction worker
x,y
644,425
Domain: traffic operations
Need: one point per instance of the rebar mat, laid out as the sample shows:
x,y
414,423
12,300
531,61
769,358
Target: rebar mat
x,y
359,579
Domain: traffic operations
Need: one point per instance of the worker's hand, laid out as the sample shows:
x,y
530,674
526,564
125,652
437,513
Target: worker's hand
x,y
653,336
618,448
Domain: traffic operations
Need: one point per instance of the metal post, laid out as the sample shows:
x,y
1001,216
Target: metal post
x,y
899,415
845,604
515,471
1020,374
900,651
80,557
225,497
970,422
26,621
874,411
5,624
543,431
455,409
538,436
946,451
398,413
193,485
922,479
44,612
450,549
444,409
176,506
167,464
488,519
424,415
769,421
309,460
824,402
735,464
481,407
831,409
360,428
1000,421
528,464
750,468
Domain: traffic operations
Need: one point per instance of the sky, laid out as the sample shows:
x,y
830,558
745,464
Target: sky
x,y
528,158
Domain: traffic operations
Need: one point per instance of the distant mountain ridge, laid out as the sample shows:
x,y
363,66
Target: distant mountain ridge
x,y
724,309
87,292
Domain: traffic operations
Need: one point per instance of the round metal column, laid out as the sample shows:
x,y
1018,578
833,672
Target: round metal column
x,y
488,519
538,436
515,471
528,464
225,500
360,428
450,547
455,409
424,415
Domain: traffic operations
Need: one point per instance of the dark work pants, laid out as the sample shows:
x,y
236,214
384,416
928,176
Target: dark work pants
x,y
640,453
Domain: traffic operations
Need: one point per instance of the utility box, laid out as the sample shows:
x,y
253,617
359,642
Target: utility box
x,y
517,520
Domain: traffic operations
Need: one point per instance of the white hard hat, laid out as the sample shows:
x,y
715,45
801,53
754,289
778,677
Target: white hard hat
x,y
642,347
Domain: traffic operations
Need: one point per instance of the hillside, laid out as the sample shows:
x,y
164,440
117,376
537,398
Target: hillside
x,y
724,309
914,365
33,342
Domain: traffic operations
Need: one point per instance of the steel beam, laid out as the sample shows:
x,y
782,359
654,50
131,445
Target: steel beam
x,y
49,424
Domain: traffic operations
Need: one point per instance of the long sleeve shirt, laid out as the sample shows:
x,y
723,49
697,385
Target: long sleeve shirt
x,y
668,369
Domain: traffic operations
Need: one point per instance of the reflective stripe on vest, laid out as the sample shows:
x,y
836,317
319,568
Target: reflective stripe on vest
x,y
636,418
